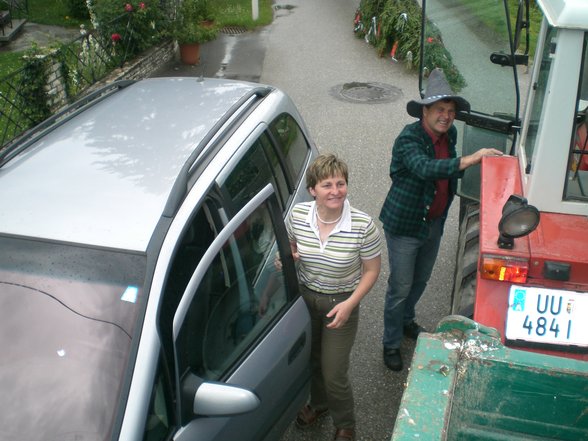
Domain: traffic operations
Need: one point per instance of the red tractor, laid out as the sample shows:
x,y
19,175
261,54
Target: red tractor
x,y
522,257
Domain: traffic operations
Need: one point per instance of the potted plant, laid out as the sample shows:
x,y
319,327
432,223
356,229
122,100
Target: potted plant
x,y
194,24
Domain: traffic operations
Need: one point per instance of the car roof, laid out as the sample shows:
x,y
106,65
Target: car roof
x,y
103,178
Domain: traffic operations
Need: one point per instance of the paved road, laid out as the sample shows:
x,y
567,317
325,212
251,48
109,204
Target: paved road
x,y
310,51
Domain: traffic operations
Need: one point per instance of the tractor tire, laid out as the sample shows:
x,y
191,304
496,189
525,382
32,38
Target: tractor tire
x,y
463,295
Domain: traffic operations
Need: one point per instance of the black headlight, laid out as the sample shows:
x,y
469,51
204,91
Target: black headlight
x,y
518,219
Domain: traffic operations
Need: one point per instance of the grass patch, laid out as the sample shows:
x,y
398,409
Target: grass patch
x,y
10,62
52,12
493,18
227,13
238,13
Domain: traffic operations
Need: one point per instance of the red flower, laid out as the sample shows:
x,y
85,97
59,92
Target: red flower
x,y
115,37
430,40
142,5
129,7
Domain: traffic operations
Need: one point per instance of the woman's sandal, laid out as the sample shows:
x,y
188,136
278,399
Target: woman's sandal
x,y
344,435
307,416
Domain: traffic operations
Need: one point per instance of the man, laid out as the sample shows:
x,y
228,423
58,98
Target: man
x,y
424,172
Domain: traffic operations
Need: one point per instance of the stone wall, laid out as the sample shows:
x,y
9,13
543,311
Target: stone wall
x,y
54,87
143,66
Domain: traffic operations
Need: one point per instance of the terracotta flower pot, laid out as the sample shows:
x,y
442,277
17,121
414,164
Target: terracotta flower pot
x,y
190,53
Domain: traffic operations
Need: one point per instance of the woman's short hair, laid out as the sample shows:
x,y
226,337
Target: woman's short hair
x,y
324,167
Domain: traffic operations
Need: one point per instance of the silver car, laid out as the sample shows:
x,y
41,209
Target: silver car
x,y
139,296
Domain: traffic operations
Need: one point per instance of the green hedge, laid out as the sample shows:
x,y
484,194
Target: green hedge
x,y
397,34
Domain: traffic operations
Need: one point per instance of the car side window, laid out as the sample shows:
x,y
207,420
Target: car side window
x,y
292,144
239,296
252,173
278,160
159,419
283,185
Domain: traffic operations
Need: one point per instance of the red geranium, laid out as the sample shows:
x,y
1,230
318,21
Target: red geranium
x,y
115,37
129,7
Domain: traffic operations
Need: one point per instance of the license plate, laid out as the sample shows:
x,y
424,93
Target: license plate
x,y
548,316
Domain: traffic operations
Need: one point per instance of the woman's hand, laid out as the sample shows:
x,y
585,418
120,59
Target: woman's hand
x,y
295,255
340,314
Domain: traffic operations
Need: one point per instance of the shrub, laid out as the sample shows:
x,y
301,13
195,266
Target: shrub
x,y
78,9
397,31
32,99
145,23
189,25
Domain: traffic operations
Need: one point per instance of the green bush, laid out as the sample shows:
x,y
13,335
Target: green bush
x,y
32,99
437,56
194,22
145,24
78,9
398,29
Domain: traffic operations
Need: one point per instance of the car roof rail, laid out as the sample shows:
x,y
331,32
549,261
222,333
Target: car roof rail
x,y
25,140
180,187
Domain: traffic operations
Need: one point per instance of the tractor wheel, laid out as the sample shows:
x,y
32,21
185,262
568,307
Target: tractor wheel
x,y
466,267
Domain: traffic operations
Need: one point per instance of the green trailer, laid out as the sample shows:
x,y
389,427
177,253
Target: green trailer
x,y
464,384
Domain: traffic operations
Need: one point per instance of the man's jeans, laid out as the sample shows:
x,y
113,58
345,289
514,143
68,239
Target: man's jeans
x,y
411,263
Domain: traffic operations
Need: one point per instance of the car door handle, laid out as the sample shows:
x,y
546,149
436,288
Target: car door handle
x,y
296,348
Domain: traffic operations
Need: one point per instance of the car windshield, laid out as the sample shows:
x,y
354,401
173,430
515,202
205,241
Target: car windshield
x,y
577,176
68,314
463,37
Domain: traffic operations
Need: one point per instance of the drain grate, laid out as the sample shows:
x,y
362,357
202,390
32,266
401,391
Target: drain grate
x,y
233,30
368,93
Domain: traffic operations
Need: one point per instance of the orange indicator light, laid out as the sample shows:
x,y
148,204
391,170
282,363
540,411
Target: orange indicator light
x,y
504,269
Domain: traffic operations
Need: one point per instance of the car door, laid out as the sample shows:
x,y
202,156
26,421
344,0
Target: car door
x,y
241,322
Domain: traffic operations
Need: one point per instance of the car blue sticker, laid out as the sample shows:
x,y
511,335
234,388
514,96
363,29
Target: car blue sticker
x,y
518,303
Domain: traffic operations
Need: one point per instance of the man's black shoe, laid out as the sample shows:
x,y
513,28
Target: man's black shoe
x,y
412,330
393,359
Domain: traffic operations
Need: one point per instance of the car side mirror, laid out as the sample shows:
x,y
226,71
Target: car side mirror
x,y
209,398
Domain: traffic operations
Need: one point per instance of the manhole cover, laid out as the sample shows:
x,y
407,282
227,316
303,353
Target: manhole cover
x,y
368,93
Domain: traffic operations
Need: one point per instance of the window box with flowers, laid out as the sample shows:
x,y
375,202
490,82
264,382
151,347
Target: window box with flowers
x,y
194,25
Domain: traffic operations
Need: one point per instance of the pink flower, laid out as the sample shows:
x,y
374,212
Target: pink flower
x,y
115,37
142,5
430,40
129,7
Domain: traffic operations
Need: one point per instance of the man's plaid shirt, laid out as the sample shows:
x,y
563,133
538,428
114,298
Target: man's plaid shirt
x,y
413,170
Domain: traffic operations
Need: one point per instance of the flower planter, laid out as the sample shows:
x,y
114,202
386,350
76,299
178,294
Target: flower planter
x,y
190,53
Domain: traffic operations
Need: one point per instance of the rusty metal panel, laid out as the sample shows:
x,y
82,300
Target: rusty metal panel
x,y
464,384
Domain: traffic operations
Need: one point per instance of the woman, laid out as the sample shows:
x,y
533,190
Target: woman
x,y
338,252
